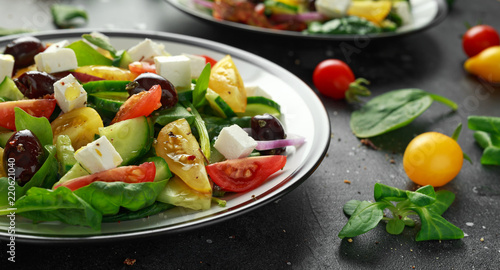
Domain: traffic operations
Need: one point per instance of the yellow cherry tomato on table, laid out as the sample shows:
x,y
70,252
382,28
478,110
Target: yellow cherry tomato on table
x,y
486,64
433,159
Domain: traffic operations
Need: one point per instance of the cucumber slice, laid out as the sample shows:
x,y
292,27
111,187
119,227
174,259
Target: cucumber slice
x,y
76,171
65,153
220,107
259,105
105,86
107,103
131,138
9,90
162,170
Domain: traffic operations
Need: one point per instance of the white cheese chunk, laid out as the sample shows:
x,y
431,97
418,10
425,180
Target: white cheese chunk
x,y
332,8
256,91
197,65
6,66
176,69
233,142
56,61
146,51
69,94
56,46
98,156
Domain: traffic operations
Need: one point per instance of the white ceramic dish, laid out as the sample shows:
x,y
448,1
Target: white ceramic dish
x,y
426,13
304,114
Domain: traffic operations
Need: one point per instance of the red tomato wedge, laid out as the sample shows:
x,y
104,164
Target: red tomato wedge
x,y
129,174
209,59
34,107
142,67
140,104
244,174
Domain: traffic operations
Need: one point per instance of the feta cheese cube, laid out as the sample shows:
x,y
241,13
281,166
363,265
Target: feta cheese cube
x,y
56,61
233,142
69,94
6,66
197,65
256,91
56,46
332,8
146,51
98,156
176,69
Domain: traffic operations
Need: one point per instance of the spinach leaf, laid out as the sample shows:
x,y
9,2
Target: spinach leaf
x,y
392,110
151,210
41,204
487,135
488,124
39,126
108,197
424,202
200,89
101,43
64,15
87,56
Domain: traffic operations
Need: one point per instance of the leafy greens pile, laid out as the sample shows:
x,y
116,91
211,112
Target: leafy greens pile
x,y
424,202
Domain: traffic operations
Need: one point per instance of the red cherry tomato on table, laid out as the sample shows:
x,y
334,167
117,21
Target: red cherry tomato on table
x,y
334,78
478,38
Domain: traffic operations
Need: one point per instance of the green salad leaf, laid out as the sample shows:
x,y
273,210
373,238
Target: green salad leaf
x,y
393,110
487,135
424,202
86,55
101,43
64,15
151,210
200,89
39,126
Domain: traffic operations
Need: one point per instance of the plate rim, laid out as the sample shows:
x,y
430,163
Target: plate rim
x,y
440,16
276,191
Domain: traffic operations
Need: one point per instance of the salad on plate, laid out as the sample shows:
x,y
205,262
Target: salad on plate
x,y
91,134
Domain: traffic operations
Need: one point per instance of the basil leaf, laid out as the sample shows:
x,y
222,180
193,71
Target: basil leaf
x,y
64,15
435,227
87,56
488,124
151,210
200,89
395,226
350,206
382,191
108,197
101,43
41,204
364,218
392,110
39,126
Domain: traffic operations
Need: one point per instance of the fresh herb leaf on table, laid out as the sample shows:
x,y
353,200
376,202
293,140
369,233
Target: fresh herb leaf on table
x,y
424,202
64,15
487,135
393,110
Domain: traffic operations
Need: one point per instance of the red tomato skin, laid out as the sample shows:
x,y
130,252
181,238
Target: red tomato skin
x,y
478,38
140,104
34,107
129,174
209,59
142,67
244,174
332,78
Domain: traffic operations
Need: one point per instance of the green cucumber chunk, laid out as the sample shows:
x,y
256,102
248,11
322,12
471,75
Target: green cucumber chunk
x,y
105,86
9,90
257,105
123,60
220,107
107,103
65,154
162,170
131,138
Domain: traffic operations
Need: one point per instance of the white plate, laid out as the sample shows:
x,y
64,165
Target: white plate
x,y
303,112
426,13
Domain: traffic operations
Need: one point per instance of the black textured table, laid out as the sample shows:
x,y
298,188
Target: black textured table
x,y
299,231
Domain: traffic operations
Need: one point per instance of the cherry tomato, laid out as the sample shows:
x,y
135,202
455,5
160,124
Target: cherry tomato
x,y
128,174
142,67
433,159
332,78
140,104
478,38
209,59
34,107
244,174
80,125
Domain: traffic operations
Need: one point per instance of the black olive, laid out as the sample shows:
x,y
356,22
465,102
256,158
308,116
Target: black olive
x,y
267,127
24,50
35,84
147,80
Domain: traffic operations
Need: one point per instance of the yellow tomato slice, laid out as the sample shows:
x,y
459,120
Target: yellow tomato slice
x,y
374,11
177,145
108,72
80,125
226,81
